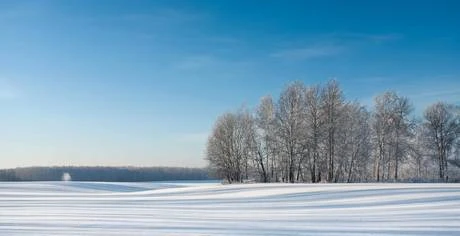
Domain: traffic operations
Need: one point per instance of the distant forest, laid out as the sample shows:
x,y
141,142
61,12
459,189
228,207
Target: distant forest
x,y
313,134
110,174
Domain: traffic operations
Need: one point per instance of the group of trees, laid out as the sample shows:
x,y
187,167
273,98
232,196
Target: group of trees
x,y
102,173
312,134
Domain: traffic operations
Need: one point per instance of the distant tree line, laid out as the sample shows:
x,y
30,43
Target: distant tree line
x,y
312,134
111,174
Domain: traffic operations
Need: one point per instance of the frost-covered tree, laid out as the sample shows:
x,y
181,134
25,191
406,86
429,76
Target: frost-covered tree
x,y
419,153
314,134
230,146
401,130
391,129
314,130
332,105
220,152
290,122
266,140
356,146
381,130
442,126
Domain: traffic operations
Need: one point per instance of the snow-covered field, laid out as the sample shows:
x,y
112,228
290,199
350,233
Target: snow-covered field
x,y
92,208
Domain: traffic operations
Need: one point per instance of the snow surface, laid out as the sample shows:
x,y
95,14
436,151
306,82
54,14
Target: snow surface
x,y
96,208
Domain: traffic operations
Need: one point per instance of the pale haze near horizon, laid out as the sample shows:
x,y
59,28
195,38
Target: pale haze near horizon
x,y
140,83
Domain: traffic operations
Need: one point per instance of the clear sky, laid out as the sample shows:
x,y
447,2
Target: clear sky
x,y
141,82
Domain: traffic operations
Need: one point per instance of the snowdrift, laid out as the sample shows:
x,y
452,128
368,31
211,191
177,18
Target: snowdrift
x,y
97,208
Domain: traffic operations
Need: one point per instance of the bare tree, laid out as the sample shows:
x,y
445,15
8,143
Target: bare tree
x,y
357,144
391,127
266,139
442,125
290,127
312,133
230,146
381,130
401,129
419,152
314,126
219,152
332,104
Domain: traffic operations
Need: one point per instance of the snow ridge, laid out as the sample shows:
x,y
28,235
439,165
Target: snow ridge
x,y
92,208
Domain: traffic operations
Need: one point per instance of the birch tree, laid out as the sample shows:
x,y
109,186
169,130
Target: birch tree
x,y
290,127
401,130
314,130
332,104
266,139
391,126
442,125
230,146
357,143
313,133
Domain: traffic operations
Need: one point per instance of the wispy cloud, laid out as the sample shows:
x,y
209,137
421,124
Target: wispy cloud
x,y
196,62
6,94
19,10
385,37
424,92
8,91
223,39
438,93
330,44
198,137
376,38
422,99
305,53
373,79
440,85
163,16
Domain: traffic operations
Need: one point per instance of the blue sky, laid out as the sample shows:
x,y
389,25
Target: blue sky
x,y
141,82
